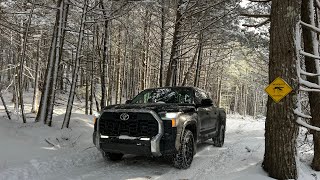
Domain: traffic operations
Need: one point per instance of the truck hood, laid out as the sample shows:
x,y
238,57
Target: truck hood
x,y
157,107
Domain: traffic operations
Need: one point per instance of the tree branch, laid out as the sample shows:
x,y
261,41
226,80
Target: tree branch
x,y
260,1
256,15
257,25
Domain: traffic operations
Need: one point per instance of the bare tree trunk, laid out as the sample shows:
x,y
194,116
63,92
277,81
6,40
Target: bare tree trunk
x,y
255,101
2,53
147,55
87,96
91,88
105,56
219,92
87,85
13,71
133,70
92,70
36,93
162,43
236,99
5,106
245,100
60,84
199,62
48,89
124,89
172,68
187,74
67,116
95,99
117,67
58,55
20,78
281,129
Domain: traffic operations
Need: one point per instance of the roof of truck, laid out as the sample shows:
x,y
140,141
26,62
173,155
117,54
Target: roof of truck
x,y
186,87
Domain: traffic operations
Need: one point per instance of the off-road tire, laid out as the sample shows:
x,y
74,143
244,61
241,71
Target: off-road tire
x,y
112,156
218,141
183,158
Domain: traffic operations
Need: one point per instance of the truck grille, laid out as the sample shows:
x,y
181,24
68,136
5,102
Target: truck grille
x,y
138,124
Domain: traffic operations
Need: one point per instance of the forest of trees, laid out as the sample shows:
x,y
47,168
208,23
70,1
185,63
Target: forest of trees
x,y
104,52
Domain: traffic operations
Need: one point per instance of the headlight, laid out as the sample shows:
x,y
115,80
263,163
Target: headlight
x,y
171,116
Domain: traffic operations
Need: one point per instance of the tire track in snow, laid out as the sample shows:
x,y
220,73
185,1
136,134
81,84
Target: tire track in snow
x,y
222,161
208,157
209,161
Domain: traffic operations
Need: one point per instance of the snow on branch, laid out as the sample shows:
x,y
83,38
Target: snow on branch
x,y
257,25
308,84
308,74
300,114
260,1
256,15
10,27
306,125
311,27
318,3
298,47
309,55
308,89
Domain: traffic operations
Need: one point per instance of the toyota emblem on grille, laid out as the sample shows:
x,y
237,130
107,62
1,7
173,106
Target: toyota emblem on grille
x,y
124,116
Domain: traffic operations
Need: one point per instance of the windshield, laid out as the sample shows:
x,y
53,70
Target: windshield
x,y
165,95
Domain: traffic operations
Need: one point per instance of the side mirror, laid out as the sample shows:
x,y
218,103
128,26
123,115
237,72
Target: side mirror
x,y
128,101
206,102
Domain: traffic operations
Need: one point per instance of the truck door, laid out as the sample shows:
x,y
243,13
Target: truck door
x,y
214,118
203,114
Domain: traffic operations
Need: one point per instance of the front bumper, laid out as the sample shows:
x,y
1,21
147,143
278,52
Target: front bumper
x,y
130,145
125,146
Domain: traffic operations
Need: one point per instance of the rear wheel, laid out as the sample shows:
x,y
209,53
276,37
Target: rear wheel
x,y
113,156
218,141
183,158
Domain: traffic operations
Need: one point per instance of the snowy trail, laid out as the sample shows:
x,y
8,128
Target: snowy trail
x,y
209,163
241,154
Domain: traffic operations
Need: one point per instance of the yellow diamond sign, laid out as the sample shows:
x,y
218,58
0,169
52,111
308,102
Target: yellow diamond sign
x,y
278,89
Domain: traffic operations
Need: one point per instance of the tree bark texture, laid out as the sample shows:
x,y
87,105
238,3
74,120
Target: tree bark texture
x,y
162,43
58,56
47,86
172,68
105,57
281,129
75,72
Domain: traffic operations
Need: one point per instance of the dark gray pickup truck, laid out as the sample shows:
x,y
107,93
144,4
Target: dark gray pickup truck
x,y
168,121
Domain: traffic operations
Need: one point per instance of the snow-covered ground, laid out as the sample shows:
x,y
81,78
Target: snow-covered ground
x,y
25,154
35,151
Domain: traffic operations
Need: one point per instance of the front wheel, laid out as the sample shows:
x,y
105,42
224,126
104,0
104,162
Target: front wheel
x,y
112,156
183,158
218,141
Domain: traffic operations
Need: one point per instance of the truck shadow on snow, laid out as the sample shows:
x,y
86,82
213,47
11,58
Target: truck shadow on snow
x,y
135,160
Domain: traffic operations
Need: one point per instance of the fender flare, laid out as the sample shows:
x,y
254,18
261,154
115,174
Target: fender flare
x,y
181,129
